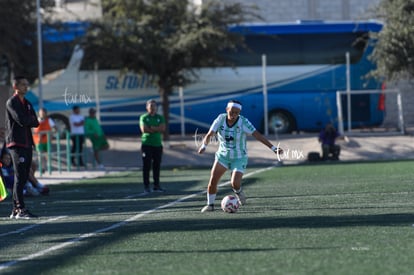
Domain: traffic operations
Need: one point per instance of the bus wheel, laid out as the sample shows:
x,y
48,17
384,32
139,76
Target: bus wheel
x,y
62,124
281,121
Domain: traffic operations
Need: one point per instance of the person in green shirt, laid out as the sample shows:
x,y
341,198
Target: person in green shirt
x,y
152,126
96,135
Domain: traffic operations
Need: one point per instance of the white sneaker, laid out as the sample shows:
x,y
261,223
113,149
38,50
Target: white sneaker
x,y
207,208
241,197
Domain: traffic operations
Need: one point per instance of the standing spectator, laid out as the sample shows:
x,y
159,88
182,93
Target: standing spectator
x,y
20,118
77,132
94,132
152,125
46,125
231,129
327,138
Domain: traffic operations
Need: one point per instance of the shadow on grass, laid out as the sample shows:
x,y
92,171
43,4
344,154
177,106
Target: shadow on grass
x,y
101,208
86,247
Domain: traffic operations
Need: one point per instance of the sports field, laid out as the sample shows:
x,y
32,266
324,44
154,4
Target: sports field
x,y
344,218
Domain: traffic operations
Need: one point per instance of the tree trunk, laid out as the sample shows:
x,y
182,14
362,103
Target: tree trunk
x,y
5,92
4,95
165,103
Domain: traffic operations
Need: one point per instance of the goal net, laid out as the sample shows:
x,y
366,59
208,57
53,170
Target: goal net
x,y
388,100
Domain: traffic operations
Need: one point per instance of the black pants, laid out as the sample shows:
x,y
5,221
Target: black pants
x,y
328,150
151,157
22,160
77,149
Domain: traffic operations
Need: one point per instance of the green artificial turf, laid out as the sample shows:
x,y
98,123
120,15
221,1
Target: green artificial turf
x,y
344,218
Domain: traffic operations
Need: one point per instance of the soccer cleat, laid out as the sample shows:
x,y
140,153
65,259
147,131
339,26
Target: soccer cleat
x,y
147,190
13,214
207,208
241,197
24,214
158,189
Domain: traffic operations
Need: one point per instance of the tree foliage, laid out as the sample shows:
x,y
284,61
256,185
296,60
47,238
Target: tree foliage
x,y
18,34
394,52
167,39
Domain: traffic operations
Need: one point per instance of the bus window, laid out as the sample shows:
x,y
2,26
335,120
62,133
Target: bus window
x,y
299,49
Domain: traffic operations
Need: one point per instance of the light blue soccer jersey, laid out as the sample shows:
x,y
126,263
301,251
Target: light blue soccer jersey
x,y
232,139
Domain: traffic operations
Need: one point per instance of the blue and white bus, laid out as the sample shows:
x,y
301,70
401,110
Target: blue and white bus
x,y
306,66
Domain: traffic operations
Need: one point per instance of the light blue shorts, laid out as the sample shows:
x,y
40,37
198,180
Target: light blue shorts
x,y
236,165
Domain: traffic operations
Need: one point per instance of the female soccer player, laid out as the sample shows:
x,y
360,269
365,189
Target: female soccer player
x,y
231,129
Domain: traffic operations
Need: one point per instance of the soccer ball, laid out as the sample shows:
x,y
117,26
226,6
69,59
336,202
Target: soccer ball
x,y
230,204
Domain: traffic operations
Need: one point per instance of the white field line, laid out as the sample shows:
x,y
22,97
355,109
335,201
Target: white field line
x,y
31,226
112,227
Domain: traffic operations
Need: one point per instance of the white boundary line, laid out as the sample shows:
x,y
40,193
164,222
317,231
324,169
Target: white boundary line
x,y
136,195
114,226
31,226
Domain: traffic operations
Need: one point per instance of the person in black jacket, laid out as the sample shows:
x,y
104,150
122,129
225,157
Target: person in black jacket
x,y
20,118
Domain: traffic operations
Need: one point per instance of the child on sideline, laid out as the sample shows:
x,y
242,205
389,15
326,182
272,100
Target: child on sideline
x,y
46,125
94,132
